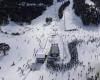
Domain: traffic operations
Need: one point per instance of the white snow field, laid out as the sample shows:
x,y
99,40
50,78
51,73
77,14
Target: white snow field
x,y
38,37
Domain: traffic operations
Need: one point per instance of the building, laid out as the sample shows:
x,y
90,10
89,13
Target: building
x,y
40,58
54,54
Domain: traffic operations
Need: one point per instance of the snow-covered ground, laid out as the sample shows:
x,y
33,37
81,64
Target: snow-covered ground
x,y
38,37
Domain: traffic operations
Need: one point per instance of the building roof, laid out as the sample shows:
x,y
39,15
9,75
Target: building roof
x,y
40,56
54,49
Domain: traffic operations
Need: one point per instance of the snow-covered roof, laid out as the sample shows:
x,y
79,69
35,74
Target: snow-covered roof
x,y
40,56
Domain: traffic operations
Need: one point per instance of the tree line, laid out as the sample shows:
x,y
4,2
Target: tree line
x,y
88,13
13,2
10,9
62,8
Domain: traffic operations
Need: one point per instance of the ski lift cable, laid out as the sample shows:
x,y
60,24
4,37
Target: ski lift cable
x,y
55,11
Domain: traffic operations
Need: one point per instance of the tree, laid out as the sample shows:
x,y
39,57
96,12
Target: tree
x,y
62,8
10,2
89,14
48,20
4,47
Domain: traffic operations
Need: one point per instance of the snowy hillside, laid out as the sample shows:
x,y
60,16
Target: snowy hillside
x,y
37,38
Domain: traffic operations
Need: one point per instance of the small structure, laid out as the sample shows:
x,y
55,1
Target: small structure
x,y
40,58
54,54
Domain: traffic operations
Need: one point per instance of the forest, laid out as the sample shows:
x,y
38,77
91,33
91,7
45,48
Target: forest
x,y
89,14
11,10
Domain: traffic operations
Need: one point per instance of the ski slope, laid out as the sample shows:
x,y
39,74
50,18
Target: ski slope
x,y
38,38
